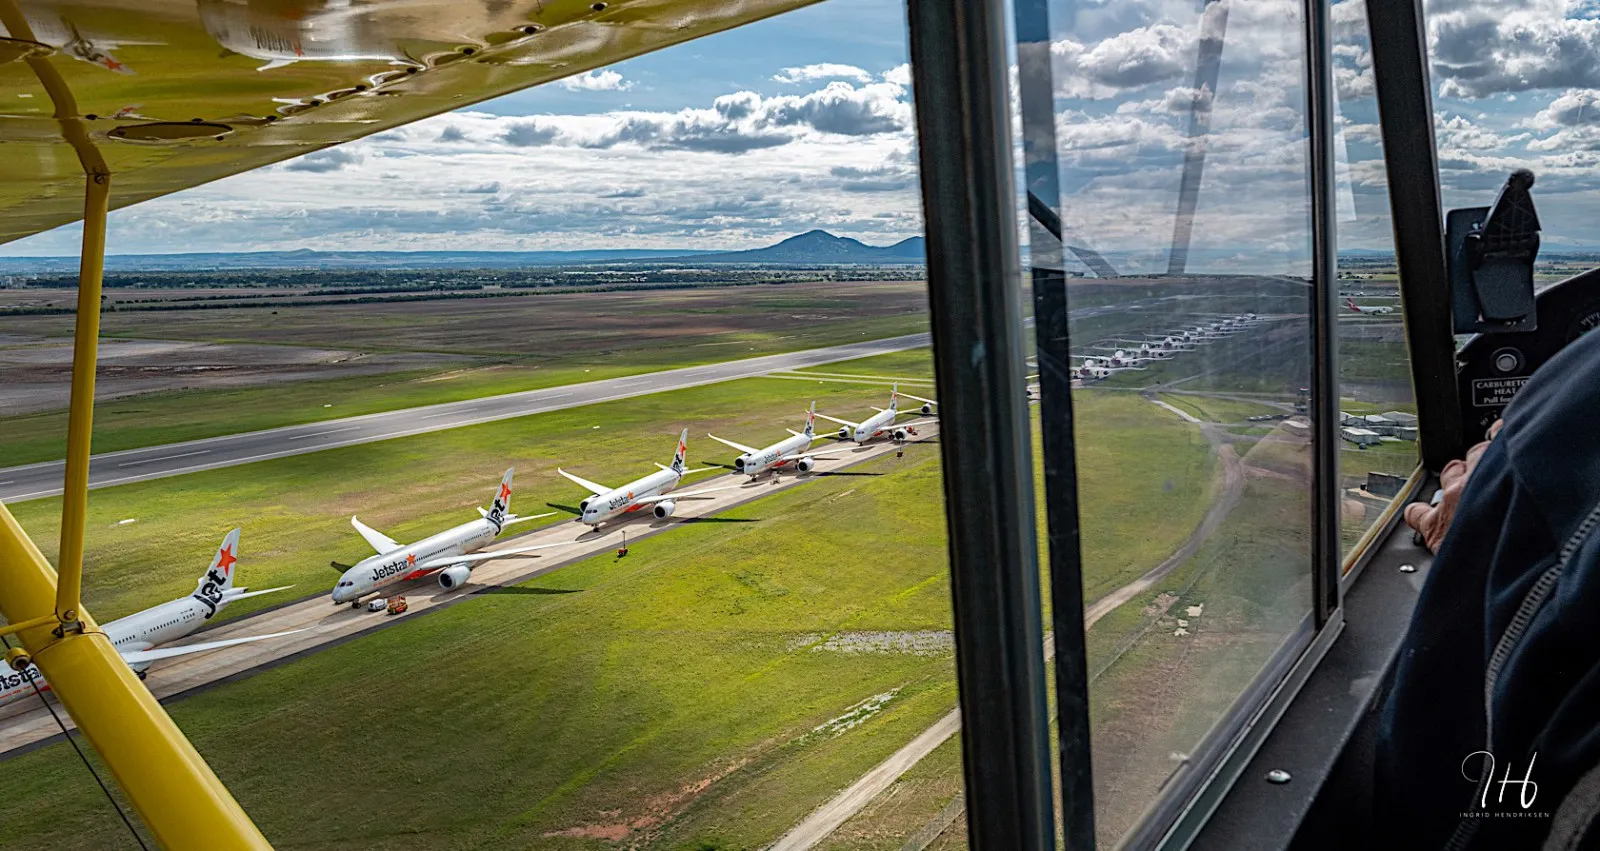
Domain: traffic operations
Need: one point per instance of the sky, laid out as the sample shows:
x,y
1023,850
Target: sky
x,y
804,121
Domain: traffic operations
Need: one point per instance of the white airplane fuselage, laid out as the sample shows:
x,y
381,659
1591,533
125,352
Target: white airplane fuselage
x,y
874,426
397,565
754,464
165,623
615,503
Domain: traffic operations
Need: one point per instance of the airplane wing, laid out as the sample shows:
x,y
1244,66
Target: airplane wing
x,y
584,483
918,398
796,456
839,421
377,540
447,561
739,446
699,494
137,657
917,423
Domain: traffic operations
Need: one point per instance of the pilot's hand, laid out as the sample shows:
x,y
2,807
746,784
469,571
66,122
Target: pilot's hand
x,y
1433,521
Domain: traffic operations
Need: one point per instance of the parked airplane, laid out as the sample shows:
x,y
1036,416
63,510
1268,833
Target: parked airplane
x,y
1375,311
650,491
449,553
1093,369
794,450
136,636
882,422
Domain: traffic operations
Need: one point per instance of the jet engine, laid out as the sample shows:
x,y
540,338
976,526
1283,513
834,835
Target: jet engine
x,y
900,435
583,505
806,464
738,463
452,578
927,409
844,432
663,510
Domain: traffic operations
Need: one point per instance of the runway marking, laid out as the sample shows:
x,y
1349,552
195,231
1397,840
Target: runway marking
x,y
321,433
164,458
442,414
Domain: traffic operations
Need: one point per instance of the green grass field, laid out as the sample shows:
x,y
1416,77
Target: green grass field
x,y
1213,409
521,344
670,700
677,699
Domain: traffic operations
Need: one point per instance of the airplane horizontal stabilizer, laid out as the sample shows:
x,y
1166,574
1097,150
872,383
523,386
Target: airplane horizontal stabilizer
x,y
839,421
517,518
243,593
139,657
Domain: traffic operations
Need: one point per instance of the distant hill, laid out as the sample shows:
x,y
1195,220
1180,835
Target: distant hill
x,y
808,249
820,247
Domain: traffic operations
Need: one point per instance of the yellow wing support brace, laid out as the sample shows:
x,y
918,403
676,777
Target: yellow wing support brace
x,y
175,792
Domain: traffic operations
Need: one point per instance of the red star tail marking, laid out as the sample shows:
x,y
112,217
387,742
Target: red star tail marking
x,y
505,492
225,559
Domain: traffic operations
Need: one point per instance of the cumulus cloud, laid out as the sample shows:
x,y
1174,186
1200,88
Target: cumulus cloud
x,y
596,81
822,71
331,159
1480,49
527,134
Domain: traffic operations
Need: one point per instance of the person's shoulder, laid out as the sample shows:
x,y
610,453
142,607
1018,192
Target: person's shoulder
x,y
1552,434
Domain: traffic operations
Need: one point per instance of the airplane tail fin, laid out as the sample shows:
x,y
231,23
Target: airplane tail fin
x,y
680,457
811,421
217,581
500,509
894,397
1351,303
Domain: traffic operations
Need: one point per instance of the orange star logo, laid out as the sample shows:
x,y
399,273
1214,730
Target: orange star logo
x,y
411,559
630,495
505,492
225,559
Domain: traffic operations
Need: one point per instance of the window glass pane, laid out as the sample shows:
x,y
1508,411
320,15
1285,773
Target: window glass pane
x,y
1513,90
1181,155
1378,426
705,671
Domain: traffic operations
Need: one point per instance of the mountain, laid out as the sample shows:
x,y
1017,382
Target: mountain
x,y
818,247
812,248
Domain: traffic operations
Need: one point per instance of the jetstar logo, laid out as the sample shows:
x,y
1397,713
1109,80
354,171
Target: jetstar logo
x,y
505,492
9,681
394,568
210,592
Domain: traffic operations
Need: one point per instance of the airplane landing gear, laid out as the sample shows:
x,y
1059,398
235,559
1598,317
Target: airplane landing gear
x,y
355,604
142,675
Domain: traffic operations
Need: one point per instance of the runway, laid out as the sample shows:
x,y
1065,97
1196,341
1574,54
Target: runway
x,y
33,481
26,723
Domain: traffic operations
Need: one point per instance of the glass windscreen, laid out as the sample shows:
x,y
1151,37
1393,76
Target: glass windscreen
x,y
490,438
1172,144
1377,411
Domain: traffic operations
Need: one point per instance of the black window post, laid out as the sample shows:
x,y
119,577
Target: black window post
x,y
960,81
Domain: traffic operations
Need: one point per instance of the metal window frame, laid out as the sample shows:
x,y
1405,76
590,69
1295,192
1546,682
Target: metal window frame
x,y
1400,74
961,90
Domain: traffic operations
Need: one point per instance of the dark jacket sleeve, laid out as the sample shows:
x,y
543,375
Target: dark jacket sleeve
x,y
1503,653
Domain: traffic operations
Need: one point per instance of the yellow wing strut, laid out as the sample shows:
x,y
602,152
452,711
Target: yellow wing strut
x,y
175,792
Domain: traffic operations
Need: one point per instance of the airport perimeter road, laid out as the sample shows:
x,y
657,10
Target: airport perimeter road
x,y
25,723
173,459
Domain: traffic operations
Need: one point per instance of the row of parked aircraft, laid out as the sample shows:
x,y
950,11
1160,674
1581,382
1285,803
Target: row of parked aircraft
x,y
452,554
1136,354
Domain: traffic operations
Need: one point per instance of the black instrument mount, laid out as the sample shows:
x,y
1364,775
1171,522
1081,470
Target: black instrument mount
x,y
1491,254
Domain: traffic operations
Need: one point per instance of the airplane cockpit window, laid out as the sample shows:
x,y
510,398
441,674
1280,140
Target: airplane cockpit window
x,y
1174,147
1377,408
